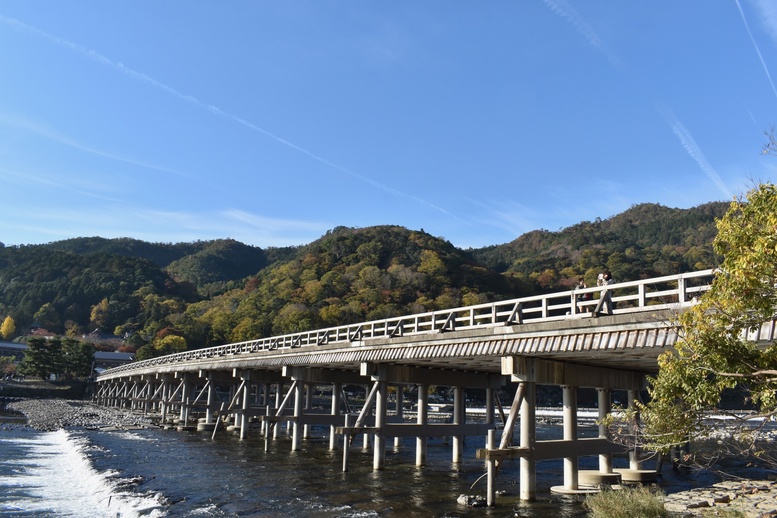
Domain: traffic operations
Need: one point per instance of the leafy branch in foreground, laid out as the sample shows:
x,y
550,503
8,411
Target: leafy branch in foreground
x,y
720,347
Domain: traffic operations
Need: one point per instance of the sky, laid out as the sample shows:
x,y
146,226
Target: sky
x,y
273,122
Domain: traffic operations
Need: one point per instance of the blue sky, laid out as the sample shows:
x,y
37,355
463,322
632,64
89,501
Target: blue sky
x,y
273,122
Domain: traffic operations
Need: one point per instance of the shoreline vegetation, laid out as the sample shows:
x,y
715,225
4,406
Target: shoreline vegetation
x,y
49,406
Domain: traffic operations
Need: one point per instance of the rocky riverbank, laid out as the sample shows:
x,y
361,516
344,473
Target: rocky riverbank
x,y
53,414
752,498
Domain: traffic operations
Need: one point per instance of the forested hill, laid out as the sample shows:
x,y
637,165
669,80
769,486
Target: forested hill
x,y
645,241
212,292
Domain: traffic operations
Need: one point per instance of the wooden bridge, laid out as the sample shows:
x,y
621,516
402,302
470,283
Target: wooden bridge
x,y
560,339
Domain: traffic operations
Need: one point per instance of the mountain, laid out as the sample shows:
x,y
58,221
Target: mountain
x,y
647,240
212,292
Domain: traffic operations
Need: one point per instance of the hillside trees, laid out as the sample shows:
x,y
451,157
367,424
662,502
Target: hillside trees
x,y
223,291
717,349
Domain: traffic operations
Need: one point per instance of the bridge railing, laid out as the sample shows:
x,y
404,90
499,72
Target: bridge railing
x,y
673,291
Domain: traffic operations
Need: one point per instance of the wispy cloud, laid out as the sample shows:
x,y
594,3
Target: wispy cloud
x,y
695,152
768,12
139,76
563,9
47,132
121,220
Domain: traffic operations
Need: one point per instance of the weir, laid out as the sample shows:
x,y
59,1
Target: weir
x,y
267,385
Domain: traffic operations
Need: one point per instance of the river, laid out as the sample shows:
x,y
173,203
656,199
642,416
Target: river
x,y
155,472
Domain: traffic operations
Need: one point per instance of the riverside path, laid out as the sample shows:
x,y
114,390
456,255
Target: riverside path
x,y
510,346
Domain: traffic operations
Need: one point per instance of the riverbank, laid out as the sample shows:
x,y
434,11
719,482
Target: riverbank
x,y
49,415
752,498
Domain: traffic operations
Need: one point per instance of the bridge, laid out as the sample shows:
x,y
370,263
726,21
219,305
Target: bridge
x,y
564,339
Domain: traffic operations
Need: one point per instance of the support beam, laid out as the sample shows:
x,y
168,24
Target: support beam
x,y
551,372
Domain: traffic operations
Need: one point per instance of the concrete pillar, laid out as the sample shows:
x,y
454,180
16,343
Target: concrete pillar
x,y
183,415
634,462
400,411
459,414
308,406
278,396
605,406
296,439
491,469
209,400
570,434
422,419
336,390
381,400
490,406
246,404
528,473
165,394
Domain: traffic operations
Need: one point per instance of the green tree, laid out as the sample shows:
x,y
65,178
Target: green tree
x,y
48,318
170,344
8,329
42,358
77,358
717,349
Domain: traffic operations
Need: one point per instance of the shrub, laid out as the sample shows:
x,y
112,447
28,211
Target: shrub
x,y
627,503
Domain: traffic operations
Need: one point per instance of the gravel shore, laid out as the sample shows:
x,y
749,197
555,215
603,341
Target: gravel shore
x,y
53,414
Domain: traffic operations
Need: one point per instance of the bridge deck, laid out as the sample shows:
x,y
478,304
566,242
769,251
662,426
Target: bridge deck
x,y
474,338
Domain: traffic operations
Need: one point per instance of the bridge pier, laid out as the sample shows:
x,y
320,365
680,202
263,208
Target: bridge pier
x,y
532,371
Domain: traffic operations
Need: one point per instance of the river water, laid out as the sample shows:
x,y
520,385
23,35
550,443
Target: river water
x,y
155,472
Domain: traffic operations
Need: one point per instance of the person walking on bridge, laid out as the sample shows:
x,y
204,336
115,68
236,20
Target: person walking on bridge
x,y
605,280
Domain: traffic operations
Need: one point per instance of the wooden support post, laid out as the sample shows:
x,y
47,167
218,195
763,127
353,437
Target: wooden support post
x,y
569,396
528,474
507,432
422,419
